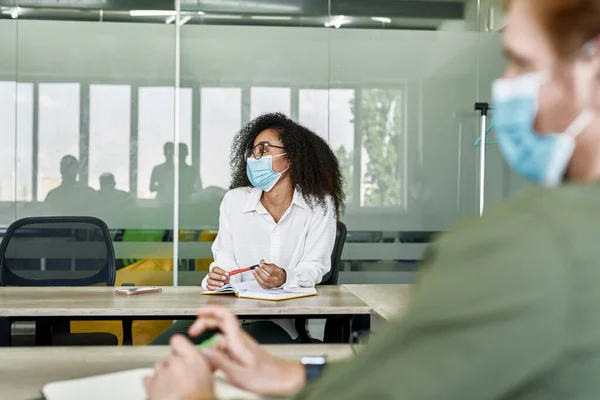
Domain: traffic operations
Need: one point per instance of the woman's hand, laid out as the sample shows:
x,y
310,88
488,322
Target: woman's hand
x,y
245,363
269,276
185,375
217,277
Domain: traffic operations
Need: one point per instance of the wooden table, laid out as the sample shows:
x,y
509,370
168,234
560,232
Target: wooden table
x,y
386,301
24,371
100,303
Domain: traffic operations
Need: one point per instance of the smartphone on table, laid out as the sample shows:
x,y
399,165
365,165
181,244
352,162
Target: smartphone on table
x,y
138,290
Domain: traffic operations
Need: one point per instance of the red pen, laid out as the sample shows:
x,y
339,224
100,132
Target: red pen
x,y
239,271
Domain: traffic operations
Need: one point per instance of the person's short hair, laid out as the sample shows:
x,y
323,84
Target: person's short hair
x,y
183,149
570,24
68,162
107,179
169,146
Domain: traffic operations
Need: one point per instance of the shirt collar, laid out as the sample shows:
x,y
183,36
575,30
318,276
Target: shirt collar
x,y
299,199
253,202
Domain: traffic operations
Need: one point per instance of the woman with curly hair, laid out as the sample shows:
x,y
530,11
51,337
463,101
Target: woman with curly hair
x,y
281,212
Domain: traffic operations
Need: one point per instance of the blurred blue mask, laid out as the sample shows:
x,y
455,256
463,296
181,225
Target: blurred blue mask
x,y
541,158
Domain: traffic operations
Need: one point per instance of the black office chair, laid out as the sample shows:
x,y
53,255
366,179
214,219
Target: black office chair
x,y
332,328
58,251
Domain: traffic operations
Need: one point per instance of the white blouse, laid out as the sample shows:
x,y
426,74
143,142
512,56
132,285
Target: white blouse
x,y
301,242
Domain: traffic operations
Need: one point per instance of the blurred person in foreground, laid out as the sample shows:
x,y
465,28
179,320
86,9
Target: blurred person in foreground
x,y
507,305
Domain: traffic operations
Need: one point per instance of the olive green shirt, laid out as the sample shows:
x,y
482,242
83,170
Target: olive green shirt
x,y
507,307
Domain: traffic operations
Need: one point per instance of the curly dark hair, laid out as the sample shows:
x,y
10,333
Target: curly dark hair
x,y
314,167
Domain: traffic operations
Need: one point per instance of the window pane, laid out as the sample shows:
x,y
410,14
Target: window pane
x,y
157,127
110,119
341,135
16,114
382,136
58,131
268,100
329,114
220,119
314,111
24,183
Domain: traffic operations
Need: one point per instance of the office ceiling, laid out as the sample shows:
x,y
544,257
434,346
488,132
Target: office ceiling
x,y
374,14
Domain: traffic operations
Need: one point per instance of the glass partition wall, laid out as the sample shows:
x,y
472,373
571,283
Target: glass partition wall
x,y
90,105
127,112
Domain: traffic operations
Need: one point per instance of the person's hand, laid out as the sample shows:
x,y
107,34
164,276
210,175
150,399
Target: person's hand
x,y
217,277
269,276
185,375
245,363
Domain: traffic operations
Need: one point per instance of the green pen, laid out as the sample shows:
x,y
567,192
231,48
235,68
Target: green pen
x,y
210,342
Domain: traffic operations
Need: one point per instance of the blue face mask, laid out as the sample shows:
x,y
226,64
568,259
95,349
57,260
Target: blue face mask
x,y
541,158
260,172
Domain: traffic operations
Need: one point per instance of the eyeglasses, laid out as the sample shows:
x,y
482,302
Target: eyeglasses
x,y
258,150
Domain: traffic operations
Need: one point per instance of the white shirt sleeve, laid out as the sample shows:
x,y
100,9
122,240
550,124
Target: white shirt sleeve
x,y
316,260
222,248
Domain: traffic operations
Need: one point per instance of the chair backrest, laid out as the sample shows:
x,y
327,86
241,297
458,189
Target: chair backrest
x,y
57,251
331,278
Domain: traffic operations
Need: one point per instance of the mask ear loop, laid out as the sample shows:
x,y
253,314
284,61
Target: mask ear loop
x,y
589,114
285,170
580,123
279,155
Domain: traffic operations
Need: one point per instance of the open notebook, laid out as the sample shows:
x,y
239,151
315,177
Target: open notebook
x,y
124,385
251,290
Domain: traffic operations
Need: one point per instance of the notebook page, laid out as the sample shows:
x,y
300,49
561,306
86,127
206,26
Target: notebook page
x,y
253,289
226,288
253,285
125,385
120,385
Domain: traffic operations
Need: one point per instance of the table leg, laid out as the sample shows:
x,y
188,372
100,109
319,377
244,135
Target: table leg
x,y
342,329
361,324
127,332
4,331
43,332
337,330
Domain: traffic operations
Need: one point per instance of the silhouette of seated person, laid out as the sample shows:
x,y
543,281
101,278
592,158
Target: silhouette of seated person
x,y
110,196
162,177
71,197
109,193
114,205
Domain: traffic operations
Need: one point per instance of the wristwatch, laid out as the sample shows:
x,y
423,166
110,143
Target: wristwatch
x,y
313,366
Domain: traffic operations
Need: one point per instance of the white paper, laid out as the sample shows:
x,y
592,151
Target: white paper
x,y
125,385
252,289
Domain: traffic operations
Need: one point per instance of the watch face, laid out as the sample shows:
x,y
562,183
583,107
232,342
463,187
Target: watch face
x,y
318,360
